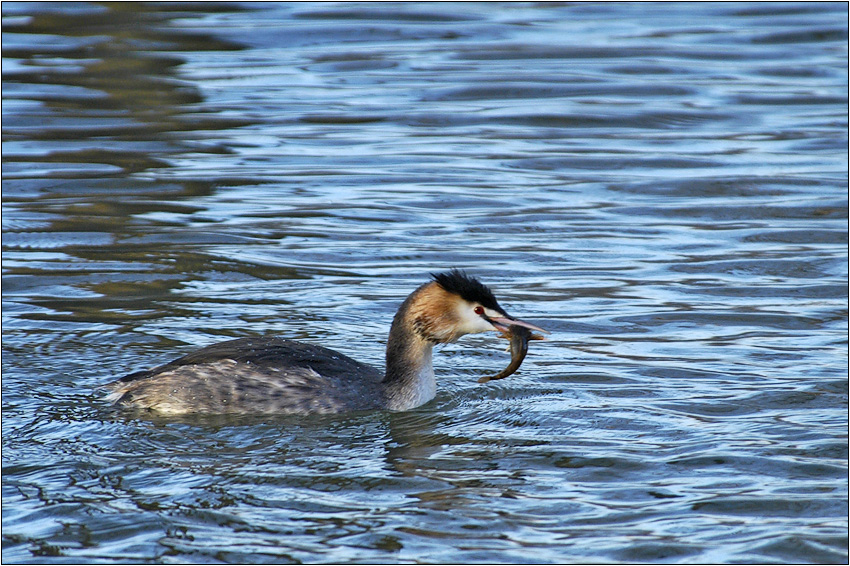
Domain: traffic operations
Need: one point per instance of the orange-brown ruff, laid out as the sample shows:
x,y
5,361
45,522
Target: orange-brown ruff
x,y
273,375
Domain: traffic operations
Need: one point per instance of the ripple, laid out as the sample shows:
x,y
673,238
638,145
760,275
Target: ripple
x,y
662,186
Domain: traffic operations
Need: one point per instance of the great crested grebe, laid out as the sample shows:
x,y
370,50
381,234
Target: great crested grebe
x,y
273,375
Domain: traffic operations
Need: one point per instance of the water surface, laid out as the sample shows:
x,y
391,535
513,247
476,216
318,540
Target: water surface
x,y
663,186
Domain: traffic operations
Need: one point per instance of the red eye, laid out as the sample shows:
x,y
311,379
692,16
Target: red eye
x,y
479,310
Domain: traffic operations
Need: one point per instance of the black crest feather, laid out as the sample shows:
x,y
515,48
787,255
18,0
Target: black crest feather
x,y
469,288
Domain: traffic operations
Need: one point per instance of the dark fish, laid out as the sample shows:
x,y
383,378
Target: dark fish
x,y
519,337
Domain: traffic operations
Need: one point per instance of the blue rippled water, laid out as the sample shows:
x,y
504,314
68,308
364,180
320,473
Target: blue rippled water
x,y
663,186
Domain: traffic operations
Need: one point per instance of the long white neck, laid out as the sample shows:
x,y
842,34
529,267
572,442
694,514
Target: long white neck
x,y
409,380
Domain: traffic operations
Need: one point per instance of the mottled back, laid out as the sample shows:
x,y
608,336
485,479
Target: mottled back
x,y
254,375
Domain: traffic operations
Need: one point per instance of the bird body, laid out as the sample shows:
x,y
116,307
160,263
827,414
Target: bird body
x,y
254,375
273,375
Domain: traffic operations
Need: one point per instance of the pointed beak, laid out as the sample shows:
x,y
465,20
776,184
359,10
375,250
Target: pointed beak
x,y
502,324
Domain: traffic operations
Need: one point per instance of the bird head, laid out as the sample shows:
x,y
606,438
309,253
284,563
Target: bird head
x,y
455,304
